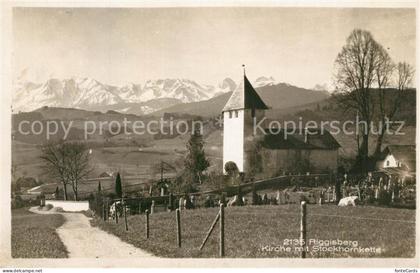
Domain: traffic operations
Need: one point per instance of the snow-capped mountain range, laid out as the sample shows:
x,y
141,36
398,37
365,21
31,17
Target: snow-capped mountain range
x,y
90,94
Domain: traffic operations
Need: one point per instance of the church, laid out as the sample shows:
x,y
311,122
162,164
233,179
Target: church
x,y
301,151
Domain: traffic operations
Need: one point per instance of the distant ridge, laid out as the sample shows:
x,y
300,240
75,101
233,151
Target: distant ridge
x,y
277,96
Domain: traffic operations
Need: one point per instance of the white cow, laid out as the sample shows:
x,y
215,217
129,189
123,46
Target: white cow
x,y
235,201
348,201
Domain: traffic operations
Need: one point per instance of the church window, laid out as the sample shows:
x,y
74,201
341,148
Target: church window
x,y
236,113
387,163
230,114
253,112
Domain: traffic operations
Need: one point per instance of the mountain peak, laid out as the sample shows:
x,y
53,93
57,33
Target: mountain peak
x,y
263,81
90,94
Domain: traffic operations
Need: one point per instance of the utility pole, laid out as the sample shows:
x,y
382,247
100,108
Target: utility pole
x,y
161,171
162,165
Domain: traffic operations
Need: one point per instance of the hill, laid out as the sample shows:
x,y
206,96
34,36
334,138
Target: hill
x,y
277,96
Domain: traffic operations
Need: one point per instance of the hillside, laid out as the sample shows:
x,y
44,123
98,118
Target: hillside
x,y
277,96
329,109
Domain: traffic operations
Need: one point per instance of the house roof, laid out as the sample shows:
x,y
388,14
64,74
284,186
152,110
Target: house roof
x,y
295,139
44,188
404,153
244,97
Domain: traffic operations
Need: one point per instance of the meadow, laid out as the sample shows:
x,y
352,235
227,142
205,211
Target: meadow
x,y
34,235
250,231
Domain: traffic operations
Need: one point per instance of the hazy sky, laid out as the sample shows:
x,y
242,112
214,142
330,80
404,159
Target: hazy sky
x,y
117,46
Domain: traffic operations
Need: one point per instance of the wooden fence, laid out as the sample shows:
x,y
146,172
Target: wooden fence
x,y
220,218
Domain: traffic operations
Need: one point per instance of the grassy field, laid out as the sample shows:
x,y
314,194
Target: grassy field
x,y
34,236
251,231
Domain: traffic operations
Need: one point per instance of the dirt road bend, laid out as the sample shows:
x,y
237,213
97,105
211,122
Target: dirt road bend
x,y
84,241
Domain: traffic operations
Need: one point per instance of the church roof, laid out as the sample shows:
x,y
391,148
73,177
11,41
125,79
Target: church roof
x,y
244,97
294,139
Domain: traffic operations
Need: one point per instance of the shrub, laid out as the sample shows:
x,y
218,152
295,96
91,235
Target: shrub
x,y
46,207
384,198
57,209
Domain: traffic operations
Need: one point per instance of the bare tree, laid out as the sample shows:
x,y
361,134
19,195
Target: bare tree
x,y
405,76
383,73
78,165
389,107
67,162
53,156
355,74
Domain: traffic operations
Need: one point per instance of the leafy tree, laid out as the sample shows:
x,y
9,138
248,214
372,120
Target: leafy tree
x,y
233,173
182,184
231,169
196,162
118,186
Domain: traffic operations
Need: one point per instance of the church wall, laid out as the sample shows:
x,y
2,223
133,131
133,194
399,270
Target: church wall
x,y
249,133
277,161
323,159
233,138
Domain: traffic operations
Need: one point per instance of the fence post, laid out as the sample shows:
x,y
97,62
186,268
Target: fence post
x,y
178,227
125,214
321,195
222,230
152,207
180,203
303,228
147,223
171,201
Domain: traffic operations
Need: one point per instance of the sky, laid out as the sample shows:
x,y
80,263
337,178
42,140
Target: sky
x,y
119,46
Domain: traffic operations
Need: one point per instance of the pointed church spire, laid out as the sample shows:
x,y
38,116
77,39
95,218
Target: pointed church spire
x,y
244,97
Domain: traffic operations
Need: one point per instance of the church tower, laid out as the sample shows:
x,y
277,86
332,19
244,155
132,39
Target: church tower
x,y
243,107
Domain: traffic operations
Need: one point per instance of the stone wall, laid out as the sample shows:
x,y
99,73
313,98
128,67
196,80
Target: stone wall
x,y
69,205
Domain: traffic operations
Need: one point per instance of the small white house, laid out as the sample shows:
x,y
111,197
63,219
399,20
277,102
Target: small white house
x,y
398,156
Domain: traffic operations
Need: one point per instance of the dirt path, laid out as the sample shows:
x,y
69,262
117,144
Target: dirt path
x,y
84,241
